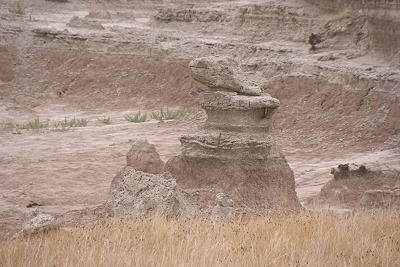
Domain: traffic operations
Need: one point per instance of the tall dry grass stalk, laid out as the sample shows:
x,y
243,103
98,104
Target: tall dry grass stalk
x,y
308,239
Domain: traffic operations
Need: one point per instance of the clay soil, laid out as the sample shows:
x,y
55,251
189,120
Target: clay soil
x,y
133,62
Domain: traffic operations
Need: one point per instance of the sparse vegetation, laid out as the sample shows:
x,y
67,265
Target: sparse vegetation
x,y
68,124
36,124
61,127
184,111
82,122
105,120
136,118
17,9
308,239
170,115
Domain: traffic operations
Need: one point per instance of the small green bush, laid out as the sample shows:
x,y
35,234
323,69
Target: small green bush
x,y
170,115
18,9
61,127
76,122
105,120
36,124
136,118
164,115
66,124
184,111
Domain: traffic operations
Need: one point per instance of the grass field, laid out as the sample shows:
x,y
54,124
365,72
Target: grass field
x,y
307,239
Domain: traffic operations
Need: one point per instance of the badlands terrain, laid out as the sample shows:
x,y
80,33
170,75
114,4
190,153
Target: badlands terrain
x,y
94,59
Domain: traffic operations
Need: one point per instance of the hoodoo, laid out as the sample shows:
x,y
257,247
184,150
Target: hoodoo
x,y
235,154
231,168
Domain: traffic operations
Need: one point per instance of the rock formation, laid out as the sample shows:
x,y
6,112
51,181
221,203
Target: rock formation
x,y
42,222
360,187
234,155
233,167
143,157
346,171
135,194
222,74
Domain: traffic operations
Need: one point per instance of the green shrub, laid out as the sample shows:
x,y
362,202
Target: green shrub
x,y
105,120
18,9
61,127
136,118
76,122
36,124
164,115
170,115
184,111
66,124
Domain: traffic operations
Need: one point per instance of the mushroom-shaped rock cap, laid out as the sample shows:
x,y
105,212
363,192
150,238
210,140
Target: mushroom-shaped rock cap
x,y
222,74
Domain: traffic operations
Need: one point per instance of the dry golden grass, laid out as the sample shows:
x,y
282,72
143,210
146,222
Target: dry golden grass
x,y
308,239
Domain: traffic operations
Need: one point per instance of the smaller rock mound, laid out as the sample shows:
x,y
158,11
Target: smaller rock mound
x,y
136,194
358,187
42,222
144,157
343,171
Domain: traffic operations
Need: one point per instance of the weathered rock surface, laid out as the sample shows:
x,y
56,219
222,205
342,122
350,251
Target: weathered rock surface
x,y
229,146
135,194
381,199
41,222
223,207
230,111
222,74
191,15
360,187
143,157
379,21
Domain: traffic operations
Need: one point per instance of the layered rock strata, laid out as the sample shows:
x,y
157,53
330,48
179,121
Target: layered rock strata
x,y
234,155
231,168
